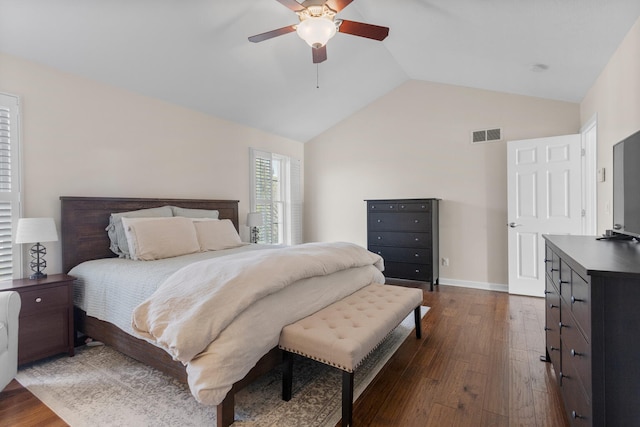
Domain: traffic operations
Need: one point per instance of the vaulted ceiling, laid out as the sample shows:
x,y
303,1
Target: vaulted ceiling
x,y
195,53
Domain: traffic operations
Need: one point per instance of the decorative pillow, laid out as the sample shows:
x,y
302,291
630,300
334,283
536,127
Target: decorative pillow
x,y
217,235
195,213
158,238
119,244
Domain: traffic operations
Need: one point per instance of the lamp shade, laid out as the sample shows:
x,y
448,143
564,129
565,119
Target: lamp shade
x,y
316,31
36,230
254,219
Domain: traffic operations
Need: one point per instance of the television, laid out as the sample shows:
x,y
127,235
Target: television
x,y
626,186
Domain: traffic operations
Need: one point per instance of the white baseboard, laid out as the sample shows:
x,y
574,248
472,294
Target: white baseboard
x,y
474,285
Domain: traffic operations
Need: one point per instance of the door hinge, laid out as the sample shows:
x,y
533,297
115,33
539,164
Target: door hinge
x,y
583,213
583,152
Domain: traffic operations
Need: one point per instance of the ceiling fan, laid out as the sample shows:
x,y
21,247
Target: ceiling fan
x,y
318,23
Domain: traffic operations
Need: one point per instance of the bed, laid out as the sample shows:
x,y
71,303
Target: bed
x,y
83,236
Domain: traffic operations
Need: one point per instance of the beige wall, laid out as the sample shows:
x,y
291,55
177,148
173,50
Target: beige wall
x,y
615,100
82,138
415,142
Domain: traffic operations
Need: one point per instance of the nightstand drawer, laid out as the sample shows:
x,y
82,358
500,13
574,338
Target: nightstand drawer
x,y
38,300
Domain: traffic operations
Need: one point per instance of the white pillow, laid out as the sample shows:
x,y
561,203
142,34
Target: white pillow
x,y
217,235
158,238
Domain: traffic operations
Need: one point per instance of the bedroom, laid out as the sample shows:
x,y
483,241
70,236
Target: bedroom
x,y
83,137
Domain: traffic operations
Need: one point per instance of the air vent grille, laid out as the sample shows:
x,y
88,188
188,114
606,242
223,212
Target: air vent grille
x,y
486,135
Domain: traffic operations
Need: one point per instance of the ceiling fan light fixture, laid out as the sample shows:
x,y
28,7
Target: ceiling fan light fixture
x,y
316,31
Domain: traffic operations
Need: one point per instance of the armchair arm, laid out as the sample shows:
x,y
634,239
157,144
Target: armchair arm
x,y
10,304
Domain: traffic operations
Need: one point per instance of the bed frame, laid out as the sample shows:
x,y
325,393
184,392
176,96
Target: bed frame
x,y
83,238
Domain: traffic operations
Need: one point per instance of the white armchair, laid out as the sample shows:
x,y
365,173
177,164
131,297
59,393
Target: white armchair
x,y
9,311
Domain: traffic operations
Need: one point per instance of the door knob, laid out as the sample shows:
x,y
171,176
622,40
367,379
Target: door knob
x,y
513,225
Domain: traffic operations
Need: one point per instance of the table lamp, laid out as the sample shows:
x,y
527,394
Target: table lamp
x,y
36,230
254,220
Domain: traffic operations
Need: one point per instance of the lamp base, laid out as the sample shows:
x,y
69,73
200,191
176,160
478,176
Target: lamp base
x,y
38,275
38,263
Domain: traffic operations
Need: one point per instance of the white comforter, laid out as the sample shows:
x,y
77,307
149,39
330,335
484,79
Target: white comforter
x,y
220,316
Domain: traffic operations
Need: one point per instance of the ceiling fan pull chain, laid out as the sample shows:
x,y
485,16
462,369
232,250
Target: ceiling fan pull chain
x,y
317,76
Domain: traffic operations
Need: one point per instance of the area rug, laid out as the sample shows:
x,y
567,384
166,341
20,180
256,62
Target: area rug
x,y
101,387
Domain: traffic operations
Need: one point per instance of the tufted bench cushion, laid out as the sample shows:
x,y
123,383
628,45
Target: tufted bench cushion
x,y
344,333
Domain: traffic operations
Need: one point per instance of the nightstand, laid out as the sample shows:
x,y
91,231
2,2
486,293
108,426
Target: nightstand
x,y
46,316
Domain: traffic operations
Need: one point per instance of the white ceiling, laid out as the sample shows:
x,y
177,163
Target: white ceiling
x,y
195,53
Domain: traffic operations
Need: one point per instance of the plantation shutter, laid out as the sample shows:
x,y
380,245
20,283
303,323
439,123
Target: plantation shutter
x,y
262,194
10,254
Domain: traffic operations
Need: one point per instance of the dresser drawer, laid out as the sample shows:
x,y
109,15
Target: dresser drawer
x,y
577,404
404,270
414,207
580,304
382,207
406,221
401,239
389,253
38,300
576,353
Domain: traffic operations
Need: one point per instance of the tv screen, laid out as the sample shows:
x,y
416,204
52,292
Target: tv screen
x,y
626,186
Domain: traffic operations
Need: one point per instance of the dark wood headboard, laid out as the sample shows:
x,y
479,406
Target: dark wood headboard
x,y
84,219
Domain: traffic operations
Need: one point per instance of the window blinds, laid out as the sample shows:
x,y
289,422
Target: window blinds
x,y
10,255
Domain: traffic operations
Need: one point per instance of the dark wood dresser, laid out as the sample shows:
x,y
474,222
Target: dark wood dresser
x,y
46,316
405,233
593,327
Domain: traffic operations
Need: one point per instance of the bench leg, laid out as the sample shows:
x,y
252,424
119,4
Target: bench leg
x,y
347,398
226,411
418,318
287,376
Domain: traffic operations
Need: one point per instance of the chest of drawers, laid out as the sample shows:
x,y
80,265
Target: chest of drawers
x,y
405,233
592,325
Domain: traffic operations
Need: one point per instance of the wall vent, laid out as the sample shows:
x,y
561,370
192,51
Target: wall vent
x,y
486,135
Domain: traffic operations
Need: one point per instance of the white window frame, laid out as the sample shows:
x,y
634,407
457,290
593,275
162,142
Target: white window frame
x,y
11,265
285,203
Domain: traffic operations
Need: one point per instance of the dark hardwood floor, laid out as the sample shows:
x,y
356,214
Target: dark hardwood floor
x,y
477,365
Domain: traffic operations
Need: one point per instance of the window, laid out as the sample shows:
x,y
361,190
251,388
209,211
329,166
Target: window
x,y
277,194
10,255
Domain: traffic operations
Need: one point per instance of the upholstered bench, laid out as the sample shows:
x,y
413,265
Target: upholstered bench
x,y
344,333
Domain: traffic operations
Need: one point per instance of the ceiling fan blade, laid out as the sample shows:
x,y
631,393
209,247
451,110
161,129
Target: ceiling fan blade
x,y
292,4
360,29
271,34
338,5
319,54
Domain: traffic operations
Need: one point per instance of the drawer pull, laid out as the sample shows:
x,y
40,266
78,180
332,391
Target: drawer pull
x,y
547,329
553,306
379,220
416,221
38,300
379,252
417,239
547,260
423,207
564,376
417,271
554,269
564,282
575,415
547,292
417,256
379,237
401,206
373,206
555,349
390,206
574,299
562,325
575,353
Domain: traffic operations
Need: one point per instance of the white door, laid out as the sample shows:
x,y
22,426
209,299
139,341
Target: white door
x,y
544,190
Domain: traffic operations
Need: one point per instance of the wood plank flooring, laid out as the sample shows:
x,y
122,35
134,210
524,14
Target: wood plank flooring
x,y
477,365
